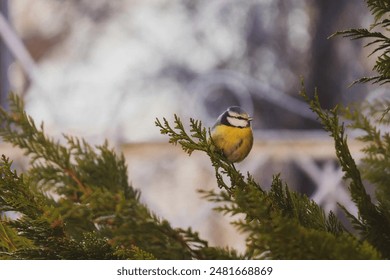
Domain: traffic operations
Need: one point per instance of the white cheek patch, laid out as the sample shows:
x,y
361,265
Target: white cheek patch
x,y
237,122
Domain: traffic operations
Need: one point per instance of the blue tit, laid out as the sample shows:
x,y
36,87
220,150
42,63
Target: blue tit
x,y
232,134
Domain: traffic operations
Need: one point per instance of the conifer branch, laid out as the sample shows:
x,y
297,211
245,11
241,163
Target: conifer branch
x,y
375,165
97,214
199,140
5,238
381,42
371,218
74,177
278,210
379,8
20,130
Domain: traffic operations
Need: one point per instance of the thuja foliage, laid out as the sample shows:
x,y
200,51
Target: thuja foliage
x,y
283,224
372,119
280,223
378,40
75,202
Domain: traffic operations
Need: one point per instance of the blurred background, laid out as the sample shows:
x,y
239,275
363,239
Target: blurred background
x,y
106,69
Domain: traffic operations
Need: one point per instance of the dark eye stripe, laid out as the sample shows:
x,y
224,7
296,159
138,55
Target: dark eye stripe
x,y
239,118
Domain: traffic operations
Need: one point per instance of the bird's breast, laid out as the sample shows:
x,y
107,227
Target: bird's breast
x,y
234,142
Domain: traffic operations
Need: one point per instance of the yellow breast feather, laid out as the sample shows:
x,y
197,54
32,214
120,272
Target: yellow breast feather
x,y
234,142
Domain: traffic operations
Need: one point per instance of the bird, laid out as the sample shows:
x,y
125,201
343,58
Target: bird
x,y
232,134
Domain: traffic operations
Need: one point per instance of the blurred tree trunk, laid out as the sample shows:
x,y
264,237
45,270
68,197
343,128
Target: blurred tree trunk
x,y
324,56
5,61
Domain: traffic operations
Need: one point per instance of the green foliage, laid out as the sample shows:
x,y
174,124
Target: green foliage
x,y
369,119
279,224
199,140
379,8
378,40
75,203
373,221
282,224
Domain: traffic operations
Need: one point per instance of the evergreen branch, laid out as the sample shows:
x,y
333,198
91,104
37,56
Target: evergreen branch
x,y
20,130
382,65
282,238
372,218
333,225
6,241
379,8
54,233
39,232
199,140
14,195
381,80
200,249
97,213
381,42
74,177
361,33
139,254
177,134
263,210
375,165
283,226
